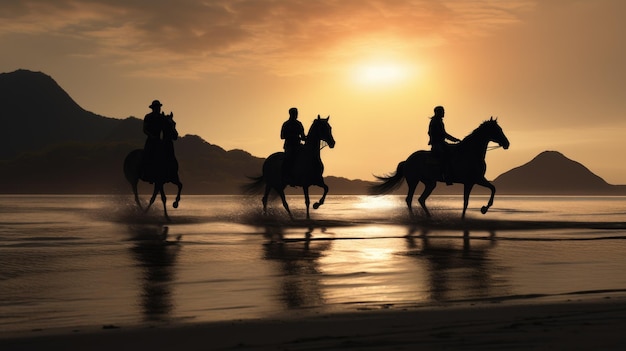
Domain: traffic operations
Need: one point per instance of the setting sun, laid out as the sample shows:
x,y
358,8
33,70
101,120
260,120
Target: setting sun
x,y
382,73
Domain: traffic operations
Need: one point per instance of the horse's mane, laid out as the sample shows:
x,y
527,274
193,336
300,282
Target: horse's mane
x,y
314,124
476,132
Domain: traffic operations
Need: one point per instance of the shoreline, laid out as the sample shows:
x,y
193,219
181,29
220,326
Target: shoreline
x,y
581,323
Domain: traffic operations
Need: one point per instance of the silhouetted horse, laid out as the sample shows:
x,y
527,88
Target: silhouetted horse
x,y
166,169
467,166
307,168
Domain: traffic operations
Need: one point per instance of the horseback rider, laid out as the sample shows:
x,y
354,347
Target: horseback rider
x,y
152,127
439,147
292,132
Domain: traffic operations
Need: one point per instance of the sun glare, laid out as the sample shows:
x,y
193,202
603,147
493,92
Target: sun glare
x,y
381,73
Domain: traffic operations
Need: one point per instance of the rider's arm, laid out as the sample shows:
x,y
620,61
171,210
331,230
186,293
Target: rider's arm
x,y
301,135
450,137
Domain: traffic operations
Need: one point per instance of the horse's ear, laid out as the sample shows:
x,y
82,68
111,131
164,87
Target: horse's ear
x,y
318,117
327,118
491,118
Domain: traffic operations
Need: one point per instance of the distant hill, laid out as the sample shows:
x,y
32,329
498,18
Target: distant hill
x,y
55,146
52,145
552,173
38,113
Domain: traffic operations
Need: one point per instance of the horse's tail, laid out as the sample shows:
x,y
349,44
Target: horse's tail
x,y
255,186
132,166
390,182
132,171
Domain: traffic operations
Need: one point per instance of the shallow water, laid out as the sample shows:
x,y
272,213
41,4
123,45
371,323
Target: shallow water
x,y
69,261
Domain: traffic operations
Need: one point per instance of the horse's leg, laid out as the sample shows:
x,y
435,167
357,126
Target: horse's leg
x,y
321,202
484,182
164,200
281,192
307,200
268,188
153,197
409,196
430,186
134,186
180,188
467,189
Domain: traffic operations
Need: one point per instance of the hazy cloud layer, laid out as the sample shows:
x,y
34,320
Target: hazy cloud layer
x,y
190,36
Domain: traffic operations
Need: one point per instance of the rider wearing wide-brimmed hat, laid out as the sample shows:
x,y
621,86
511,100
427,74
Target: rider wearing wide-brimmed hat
x,y
152,127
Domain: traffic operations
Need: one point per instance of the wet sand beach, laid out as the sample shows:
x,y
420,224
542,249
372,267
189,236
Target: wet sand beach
x,y
91,273
574,324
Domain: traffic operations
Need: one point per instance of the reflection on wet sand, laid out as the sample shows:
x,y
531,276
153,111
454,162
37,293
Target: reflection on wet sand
x,y
82,260
457,273
299,266
156,257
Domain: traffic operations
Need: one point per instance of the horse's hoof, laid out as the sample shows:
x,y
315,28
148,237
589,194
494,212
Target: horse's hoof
x,y
484,209
316,205
175,204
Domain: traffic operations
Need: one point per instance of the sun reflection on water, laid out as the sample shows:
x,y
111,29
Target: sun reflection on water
x,y
377,202
376,253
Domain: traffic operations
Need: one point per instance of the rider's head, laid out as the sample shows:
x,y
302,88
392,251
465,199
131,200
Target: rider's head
x,y
156,105
439,111
293,113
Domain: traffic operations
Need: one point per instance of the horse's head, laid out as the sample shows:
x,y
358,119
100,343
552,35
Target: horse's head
x,y
494,133
169,127
322,131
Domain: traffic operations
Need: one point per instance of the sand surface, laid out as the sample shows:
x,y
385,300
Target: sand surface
x,y
590,324
73,278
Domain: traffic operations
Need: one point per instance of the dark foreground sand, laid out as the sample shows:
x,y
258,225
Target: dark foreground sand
x,y
591,324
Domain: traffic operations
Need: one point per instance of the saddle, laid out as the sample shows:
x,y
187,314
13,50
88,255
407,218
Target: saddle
x,y
447,171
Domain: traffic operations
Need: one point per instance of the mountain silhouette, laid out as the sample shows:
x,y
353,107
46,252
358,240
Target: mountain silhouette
x,y
552,173
54,146
38,113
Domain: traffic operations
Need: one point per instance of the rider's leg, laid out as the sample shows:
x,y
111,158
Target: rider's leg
x,y
445,165
287,168
439,151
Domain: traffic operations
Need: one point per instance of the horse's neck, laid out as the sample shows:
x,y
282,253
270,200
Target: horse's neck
x,y
474,144
170,133
312,146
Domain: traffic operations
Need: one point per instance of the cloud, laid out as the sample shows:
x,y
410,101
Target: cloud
x,y
193,36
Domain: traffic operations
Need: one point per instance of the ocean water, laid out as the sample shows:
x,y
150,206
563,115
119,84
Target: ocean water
x,y
72,261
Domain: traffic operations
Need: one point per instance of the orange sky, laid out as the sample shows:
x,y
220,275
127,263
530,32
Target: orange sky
x,y
552,71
